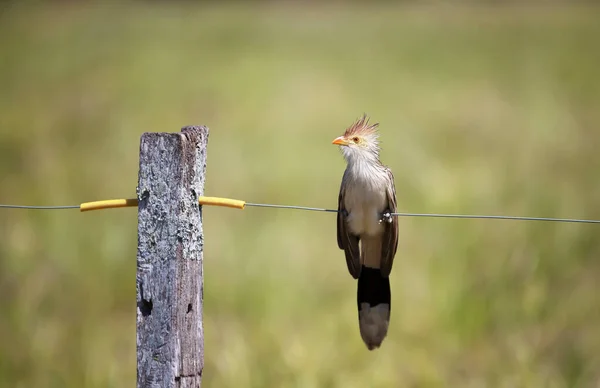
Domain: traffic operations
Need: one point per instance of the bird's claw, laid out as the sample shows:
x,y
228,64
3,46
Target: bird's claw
x,y
386,217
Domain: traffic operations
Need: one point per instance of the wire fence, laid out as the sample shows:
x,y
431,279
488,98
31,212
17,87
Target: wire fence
x,y
240,204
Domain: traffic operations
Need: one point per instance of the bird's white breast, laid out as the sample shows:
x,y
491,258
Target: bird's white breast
x,y
365,199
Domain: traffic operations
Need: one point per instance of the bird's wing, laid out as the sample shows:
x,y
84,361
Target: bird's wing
x,y
389,242
346,240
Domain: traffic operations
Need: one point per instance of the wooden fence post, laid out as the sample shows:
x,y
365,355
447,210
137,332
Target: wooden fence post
x,y
170,339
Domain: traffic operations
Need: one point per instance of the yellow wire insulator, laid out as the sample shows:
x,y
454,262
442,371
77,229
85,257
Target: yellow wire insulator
x,y
108,204
116,203
225,202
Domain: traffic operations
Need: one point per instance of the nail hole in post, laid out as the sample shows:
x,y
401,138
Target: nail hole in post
x,y
145,307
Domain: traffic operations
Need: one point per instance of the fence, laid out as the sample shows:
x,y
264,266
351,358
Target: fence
x,y
169,279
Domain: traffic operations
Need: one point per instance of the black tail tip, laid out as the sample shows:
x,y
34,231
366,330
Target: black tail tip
x,y
373,288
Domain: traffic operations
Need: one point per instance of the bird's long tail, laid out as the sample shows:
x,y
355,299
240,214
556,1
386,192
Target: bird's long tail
x,y
374,306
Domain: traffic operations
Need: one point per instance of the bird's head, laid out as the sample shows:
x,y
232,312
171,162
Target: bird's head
x,y
359,141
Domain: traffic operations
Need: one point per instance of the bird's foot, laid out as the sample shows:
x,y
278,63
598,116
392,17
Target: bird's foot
x,y
386,216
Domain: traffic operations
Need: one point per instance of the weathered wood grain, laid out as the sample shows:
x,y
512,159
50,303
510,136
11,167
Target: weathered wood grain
x,y
170,341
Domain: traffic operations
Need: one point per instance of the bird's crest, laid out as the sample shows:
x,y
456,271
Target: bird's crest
x,y
362,127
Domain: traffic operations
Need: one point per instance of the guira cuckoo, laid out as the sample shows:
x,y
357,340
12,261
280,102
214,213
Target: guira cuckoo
x,y
366,231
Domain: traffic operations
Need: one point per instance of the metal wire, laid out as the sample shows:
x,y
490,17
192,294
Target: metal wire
x,y
477,216
312,209
38,207
318,209
467,216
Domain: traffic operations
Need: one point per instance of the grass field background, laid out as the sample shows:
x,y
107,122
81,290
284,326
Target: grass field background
x,y
482,109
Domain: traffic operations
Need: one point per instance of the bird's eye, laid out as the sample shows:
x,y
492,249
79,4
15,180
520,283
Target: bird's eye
x,y
355,139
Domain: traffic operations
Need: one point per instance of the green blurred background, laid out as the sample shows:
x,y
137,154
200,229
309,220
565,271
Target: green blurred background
x,y
483,109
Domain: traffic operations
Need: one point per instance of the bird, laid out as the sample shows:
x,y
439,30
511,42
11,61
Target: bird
x,y
366,230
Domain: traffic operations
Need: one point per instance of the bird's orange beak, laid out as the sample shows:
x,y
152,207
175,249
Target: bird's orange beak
x,y
340,141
